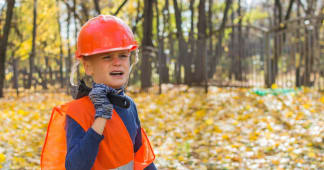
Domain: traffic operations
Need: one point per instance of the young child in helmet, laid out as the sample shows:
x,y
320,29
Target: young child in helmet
x,y
98,133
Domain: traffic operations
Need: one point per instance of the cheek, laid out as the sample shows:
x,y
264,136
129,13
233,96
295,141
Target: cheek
x,y
105,70
101,70
126,67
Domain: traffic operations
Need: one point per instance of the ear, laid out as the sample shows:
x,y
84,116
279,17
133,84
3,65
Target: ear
x,y
88,68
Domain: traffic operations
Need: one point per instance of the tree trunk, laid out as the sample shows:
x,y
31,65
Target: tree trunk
x,y
232,47
214,60
277,42
160,39
76,31
97,6
48,70
25,77
238,75
308,58
146,67
15,75
4,42
300,51
201,53
210,30
164,67
42,77
14,62
138,17
182,58
159,45
85,11
308,43
69,58
177,66
170,40
61,46
33,52
191,40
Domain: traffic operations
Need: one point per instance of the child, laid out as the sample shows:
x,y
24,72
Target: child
x,y
101,129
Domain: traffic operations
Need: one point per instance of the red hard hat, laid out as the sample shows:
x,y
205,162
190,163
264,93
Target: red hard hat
x,y
102,34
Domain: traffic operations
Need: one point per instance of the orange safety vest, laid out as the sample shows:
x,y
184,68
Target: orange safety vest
x,y
115,150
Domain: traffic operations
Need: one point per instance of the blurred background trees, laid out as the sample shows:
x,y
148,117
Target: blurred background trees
x,y
239,43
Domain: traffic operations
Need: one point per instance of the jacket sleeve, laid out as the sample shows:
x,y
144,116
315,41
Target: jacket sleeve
x,y
82,147
151,167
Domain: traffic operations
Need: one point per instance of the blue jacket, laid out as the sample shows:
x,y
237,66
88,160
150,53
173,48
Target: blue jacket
x,y
82,147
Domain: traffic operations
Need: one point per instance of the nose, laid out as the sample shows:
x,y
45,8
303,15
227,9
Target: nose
x,y
116,60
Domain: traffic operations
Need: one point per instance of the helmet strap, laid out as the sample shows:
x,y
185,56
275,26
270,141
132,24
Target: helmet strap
x,y
130,69
74,69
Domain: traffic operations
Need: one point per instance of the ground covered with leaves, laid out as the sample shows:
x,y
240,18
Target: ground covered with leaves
x,y
224,129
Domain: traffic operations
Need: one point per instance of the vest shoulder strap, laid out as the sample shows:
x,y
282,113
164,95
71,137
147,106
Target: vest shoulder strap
x,y
81,110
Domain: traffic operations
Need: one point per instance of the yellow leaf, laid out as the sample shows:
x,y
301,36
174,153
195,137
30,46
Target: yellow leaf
x,y
322,99
299,116
2,157
235,123
306,106
209,121
200,113
22,112
254,136
180,158
311,154
217,129
290,149
225,137
299,160
282,25
275,162
226,49
269,127
289,114
235,146
9,76
274,86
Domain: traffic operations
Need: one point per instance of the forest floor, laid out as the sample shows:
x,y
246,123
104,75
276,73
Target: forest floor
x,y
227,128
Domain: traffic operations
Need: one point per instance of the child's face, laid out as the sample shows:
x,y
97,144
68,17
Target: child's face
x,y
111,68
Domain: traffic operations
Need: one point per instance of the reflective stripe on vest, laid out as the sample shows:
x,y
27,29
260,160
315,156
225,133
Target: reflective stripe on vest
x,y
128,166
115,150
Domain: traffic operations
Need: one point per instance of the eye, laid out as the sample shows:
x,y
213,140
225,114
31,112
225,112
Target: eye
x,y
106,57
123,56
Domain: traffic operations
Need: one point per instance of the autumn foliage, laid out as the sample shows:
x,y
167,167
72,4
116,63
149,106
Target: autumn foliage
x,y
226,128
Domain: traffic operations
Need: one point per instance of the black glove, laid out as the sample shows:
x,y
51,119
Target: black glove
x,y
102,104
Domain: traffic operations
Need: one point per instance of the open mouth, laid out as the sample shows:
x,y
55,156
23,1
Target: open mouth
x,y
116,73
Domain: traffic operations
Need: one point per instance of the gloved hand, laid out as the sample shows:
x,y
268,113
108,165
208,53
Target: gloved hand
x,y
98,96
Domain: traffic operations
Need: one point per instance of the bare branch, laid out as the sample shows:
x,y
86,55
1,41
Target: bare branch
x,y
120,7
291,2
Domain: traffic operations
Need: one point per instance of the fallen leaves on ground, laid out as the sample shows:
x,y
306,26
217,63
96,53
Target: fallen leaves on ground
x,y
23,125
224,129
234,128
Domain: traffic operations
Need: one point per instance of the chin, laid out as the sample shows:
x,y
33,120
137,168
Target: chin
x,y
117,85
